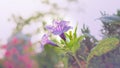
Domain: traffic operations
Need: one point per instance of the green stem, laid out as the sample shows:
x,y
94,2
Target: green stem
x,y
77,61
87,64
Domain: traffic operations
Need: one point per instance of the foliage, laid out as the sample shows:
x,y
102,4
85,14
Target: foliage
x,y
48,58
110,30
103,47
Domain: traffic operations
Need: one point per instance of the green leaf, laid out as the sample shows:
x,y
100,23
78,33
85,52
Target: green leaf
x,y
49,57
103,47
59,51
75,31
75,44
68,36
65,61
71,34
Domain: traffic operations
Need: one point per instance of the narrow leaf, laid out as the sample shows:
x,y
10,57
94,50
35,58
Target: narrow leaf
x,y
76,43
75,31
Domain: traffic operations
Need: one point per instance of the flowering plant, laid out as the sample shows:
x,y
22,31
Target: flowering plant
x,y
69,42
58,53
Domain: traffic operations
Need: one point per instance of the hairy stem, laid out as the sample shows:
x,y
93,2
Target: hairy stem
x,y
77,60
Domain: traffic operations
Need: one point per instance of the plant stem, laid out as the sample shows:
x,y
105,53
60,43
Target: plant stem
x,y
77,60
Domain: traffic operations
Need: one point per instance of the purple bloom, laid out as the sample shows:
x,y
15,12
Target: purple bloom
x,y
45,41
59,27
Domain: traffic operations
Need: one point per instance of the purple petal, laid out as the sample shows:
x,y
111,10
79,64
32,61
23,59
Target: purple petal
x,y
52,43
63,36
50,28
57,31
66,28
59,27
45,41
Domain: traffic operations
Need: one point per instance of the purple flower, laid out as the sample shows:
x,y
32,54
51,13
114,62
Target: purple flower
x,y
59,27
45,41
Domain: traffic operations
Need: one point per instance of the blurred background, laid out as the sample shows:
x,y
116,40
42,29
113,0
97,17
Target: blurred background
x,y
81,11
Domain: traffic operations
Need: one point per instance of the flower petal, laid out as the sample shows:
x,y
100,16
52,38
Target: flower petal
x,y
66,28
